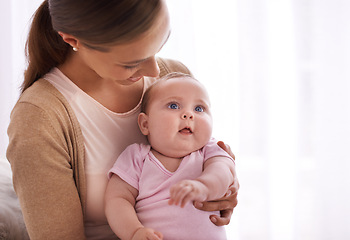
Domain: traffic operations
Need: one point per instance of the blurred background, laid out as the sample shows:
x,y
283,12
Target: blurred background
x,y
278,76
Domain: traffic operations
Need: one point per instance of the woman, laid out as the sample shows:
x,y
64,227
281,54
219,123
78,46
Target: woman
x,y
89,64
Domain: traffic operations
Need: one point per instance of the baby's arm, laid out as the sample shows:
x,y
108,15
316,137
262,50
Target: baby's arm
x,y
212,184
120,212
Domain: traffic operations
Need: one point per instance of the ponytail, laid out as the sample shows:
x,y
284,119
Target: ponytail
x,y
45,49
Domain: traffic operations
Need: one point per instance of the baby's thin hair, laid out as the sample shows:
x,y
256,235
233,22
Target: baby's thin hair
x,y
147,94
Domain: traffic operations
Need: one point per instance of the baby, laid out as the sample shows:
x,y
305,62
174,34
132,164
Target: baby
x,y
182,164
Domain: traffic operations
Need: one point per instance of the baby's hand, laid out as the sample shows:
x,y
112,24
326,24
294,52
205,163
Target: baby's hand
x,y
147,234
187,190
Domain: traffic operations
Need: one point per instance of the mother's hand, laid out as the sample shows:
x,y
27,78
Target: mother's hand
x,y
225,204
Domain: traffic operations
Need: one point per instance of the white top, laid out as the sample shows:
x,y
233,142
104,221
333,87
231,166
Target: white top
x,y
106,135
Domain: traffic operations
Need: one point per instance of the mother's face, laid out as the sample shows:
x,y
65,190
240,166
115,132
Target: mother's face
x,y
127,63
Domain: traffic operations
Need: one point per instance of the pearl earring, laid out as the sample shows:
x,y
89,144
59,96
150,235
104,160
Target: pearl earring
x,y
75,49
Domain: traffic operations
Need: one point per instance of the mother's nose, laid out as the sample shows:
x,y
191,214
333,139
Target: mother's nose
x,y
150,68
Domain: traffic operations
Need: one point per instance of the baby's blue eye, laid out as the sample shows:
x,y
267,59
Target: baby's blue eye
x,y
199,109
173,106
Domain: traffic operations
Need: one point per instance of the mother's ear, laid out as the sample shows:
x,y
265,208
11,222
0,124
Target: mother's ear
x,y
143,123
70,39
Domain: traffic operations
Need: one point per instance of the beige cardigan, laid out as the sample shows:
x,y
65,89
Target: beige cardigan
x,y
46,152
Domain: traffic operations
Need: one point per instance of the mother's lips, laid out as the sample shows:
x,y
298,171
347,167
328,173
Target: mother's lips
x,y
134,79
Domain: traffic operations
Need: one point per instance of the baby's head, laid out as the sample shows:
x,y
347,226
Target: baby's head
x,y
175,115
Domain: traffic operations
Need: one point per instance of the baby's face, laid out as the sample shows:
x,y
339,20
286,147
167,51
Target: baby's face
x,y
179,120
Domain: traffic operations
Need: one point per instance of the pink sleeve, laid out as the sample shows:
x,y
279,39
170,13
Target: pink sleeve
x,y
129,164
212,149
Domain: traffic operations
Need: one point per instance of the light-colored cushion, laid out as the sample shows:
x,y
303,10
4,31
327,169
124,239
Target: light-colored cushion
x,y
11,219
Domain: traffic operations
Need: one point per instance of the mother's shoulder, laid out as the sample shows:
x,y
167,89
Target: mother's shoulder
x,y
42,92
170,65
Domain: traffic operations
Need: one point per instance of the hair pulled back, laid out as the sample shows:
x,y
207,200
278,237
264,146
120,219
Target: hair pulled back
x,y
94,22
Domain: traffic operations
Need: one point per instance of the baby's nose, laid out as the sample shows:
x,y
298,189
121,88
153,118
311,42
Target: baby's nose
x,y
187,115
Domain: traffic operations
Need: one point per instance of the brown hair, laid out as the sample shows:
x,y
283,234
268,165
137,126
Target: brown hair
x,y
95,23
148,92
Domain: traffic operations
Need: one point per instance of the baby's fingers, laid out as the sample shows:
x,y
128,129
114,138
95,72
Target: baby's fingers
x,y
154,236
179,194
159,235
147,234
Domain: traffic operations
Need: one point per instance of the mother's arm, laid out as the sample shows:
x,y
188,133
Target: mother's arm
x,y
43,175
226,204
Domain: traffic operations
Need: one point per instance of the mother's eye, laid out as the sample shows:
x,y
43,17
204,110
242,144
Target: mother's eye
x,y
130,67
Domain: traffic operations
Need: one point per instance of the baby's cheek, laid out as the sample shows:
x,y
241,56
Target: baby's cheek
x,y
208,125
205,131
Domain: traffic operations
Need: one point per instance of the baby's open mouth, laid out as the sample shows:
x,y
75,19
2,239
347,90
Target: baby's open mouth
x,y
186,130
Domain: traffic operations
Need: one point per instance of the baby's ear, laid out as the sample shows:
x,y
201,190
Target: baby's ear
x,y
143,123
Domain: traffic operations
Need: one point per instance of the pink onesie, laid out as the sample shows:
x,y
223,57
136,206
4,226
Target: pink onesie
x,y
138,167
